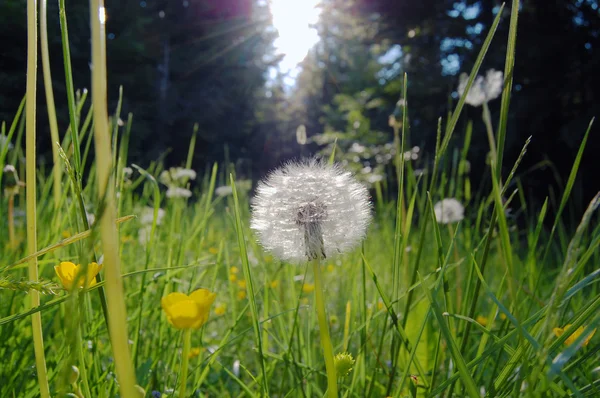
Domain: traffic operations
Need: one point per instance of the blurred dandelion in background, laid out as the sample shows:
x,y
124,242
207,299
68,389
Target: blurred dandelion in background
x,y
483,89
448,211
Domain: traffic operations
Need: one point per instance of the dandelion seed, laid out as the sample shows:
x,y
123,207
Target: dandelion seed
x,y
70,274
483,89
449,211
177,192
188,312
235,369
301,135
310,210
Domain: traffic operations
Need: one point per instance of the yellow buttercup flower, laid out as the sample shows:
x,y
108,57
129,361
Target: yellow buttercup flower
x,y
232,278
274,284
483,321
66,234
220,309
242,284
194,352
213,250
234,270
308,287
188,312
241,295
571,339
68,271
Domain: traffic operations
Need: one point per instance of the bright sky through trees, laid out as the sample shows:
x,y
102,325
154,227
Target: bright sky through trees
x,y
293,20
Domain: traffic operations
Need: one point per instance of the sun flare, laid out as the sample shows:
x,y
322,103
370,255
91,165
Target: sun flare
x,y
293,20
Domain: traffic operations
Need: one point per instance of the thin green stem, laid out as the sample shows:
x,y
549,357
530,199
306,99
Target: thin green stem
x,y
56,169
11,221
187,343
30,178
324,331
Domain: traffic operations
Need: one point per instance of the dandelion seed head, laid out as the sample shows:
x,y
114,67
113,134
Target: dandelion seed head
x,y
483,89
224,190
309,209
449,211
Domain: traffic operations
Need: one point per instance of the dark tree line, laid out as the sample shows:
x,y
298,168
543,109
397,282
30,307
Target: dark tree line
x,y
208,61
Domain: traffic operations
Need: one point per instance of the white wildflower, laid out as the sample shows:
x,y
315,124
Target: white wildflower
x,y
147,216
176,192
165,177
236,368
181,174
483,89
448,211
127,172
309,210
90,218
224,190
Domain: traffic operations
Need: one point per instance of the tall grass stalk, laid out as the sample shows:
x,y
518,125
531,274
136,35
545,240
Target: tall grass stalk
x,y
56,168
117,313
31,191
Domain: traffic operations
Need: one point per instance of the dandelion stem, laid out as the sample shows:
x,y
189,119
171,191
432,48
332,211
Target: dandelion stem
x,y
324,331
187,343
487,119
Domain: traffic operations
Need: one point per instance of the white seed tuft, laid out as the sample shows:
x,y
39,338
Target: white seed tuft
x,y
308,210
449,211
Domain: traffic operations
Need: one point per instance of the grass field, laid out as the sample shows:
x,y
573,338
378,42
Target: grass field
x,y
479,306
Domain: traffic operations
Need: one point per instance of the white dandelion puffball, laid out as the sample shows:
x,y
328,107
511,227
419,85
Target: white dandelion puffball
x,y
483,89
310,210
449,211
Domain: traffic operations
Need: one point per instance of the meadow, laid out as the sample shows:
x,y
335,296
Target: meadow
x,y
497,298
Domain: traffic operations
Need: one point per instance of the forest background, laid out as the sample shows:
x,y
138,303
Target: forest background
x,y
213,63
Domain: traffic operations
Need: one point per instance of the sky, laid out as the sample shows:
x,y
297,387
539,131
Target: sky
x,y
293,20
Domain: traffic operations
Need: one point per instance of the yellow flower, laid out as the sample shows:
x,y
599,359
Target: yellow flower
x,y
571,339
241,295
380,305
481,320
185,312
65,234
274,284
220,309
67,272
194,352
232,278
308,288
213,250
242,284
234,270
126,238
330,268
268,259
